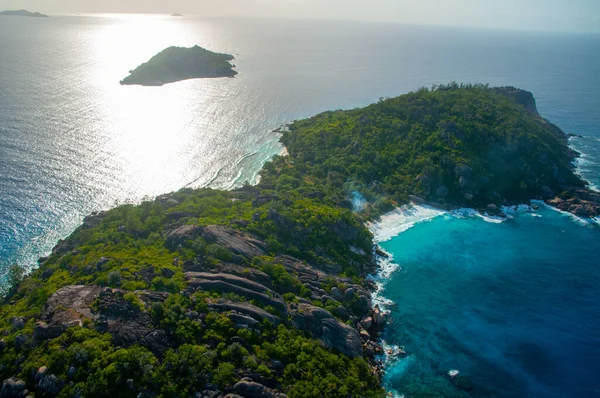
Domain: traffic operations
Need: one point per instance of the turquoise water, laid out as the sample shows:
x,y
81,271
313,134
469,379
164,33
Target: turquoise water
x,y
514,306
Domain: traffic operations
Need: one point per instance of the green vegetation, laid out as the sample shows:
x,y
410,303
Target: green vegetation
x,y
151,330
178,63
455,145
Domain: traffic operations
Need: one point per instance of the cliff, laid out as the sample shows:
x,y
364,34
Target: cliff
x,y
177,63
262,291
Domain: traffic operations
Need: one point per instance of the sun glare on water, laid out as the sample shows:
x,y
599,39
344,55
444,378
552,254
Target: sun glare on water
x,y
152,128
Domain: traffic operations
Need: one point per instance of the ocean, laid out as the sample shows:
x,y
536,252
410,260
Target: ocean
x,y
514,306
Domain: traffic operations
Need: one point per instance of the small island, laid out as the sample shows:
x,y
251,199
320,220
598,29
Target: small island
x,y
177,15
178,63
22,13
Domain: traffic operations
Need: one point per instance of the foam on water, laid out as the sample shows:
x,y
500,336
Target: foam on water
x,y
401,219
487,339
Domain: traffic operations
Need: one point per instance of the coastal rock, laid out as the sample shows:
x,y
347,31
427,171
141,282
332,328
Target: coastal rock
x,y
365,335
379,317
366,323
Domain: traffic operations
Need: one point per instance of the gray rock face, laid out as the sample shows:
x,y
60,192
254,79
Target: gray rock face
x,y
49,384
366,323
242,320
349,294
226,283
379,318
235,241
322,325
13,388
182,234
43,331
246,309
70,305
94,219
249,389
336,294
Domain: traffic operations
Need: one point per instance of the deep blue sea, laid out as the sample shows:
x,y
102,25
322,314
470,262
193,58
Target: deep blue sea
x,y
513,306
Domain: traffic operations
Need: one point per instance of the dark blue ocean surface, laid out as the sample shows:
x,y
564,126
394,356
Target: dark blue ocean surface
x,y
514,306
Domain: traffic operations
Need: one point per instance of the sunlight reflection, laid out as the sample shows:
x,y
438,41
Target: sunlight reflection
x,y
150,131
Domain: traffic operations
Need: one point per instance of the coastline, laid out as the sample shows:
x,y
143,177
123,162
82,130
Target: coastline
x,y
401,219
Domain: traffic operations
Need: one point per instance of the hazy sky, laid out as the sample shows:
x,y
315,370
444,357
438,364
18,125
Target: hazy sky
x,y
555,15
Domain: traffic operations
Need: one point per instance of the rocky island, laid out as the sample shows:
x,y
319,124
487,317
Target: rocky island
x,y
178,63
261,292
22,13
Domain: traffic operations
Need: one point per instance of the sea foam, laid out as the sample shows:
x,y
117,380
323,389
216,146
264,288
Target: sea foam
x,y
401,219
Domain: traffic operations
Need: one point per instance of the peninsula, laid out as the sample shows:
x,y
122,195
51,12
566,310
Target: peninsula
x,y
262,291
178,63
22,13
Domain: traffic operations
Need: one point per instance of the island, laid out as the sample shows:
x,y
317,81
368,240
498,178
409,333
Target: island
x,y
22,13
177,15
178,63
263,291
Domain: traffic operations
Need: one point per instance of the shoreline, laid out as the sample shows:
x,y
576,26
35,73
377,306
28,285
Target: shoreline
x,y
401,219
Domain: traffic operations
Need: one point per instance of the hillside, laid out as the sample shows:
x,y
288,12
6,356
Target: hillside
x,y
261,291
470,146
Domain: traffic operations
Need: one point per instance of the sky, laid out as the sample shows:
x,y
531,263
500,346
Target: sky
x,y
545,15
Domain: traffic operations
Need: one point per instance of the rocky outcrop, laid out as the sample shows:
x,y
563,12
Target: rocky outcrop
x,y
246,309
580,202
249,389
13,388
182,234
69,306
227,283
236,241
521,97
322,325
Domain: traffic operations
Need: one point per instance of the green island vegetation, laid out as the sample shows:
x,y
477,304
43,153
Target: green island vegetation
x,y
22,13
262,291
174,64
